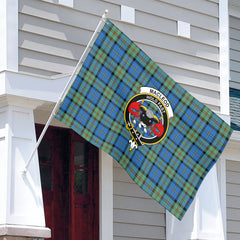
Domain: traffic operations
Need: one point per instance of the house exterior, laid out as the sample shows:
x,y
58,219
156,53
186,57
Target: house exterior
x,y
232,163
72,190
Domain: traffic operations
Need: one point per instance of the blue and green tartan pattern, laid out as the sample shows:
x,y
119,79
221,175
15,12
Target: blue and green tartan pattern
x,y
170,171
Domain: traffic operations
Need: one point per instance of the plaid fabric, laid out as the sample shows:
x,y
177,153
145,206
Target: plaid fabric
x,y
171,170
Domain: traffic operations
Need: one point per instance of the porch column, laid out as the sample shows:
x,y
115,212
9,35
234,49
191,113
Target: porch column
x,y
21,204
106,196
203,219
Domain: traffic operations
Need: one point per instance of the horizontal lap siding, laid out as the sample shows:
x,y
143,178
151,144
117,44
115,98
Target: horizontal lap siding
x,y
136,215
194,63
52,38
233,200
235,52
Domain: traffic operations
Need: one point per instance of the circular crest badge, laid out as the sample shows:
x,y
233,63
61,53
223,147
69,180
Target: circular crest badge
x,y
147,117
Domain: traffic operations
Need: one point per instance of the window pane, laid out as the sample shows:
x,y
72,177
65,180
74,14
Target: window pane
x,y
81,181
79,155
46,177
44,152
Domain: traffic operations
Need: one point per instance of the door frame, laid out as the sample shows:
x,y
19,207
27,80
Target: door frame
x,y
96,228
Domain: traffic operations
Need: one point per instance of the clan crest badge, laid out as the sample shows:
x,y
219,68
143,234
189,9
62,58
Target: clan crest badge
x,y
147,117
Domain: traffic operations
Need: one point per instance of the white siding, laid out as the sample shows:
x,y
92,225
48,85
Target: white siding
x,y
234,31
52,38
233,200
136,216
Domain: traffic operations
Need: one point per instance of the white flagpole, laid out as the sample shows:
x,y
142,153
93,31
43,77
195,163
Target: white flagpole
x,y
65,90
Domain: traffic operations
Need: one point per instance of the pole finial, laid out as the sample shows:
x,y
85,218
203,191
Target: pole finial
x,y
105,13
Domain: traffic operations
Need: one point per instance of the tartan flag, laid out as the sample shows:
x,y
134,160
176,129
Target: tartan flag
x,y
126,105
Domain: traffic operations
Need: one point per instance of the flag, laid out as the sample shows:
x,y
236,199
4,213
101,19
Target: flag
x,y
126,105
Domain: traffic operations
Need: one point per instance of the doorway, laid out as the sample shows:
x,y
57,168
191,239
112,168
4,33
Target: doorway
x,y
69,168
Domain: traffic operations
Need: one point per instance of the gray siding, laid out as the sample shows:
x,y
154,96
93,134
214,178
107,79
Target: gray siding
x,y
233,200
234,32
53,37
136,215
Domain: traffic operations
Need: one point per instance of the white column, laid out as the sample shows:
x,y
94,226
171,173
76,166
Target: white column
x,y
21,204
203,219
221,170
224,56
106,196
